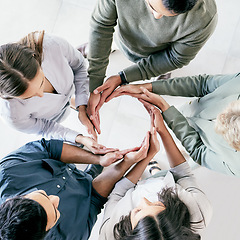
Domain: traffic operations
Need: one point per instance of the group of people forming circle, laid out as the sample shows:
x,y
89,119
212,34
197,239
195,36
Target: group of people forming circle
x,y
44,195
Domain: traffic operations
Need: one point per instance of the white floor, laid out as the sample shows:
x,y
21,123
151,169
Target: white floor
x,y
124,122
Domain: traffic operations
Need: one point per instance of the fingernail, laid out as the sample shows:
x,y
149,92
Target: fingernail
x,y
95,91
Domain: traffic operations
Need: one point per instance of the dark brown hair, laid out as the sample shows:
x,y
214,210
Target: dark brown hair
x,y
19,64
173,223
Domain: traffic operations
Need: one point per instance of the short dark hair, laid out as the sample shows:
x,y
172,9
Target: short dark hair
x,y
19,63
22,218
179,6
172,223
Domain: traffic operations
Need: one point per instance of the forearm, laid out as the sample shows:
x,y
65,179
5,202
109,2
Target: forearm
x,y
81,83
99,51
77,63
188,136
103,21
152,66
105,182
192,86
74,154
46,128
173,154
136,172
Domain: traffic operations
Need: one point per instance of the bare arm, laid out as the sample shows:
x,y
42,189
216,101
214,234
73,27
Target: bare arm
x,y
73,154
174,155
105,182
137,171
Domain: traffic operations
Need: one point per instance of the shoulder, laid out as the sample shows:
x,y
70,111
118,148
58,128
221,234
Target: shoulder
x,y
12,109
53,43
206,8
202,19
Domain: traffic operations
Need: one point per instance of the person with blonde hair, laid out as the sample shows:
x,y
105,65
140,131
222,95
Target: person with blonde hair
x,y
38,76
228,124
195,123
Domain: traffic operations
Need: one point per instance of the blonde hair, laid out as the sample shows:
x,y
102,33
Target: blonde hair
x,y
228,124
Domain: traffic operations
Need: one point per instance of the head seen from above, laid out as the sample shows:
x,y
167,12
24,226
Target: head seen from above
x,y
169,8
168,218
20,68
28,217
228,124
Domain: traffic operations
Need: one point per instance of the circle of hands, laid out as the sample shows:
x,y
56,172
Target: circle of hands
x,y
90,118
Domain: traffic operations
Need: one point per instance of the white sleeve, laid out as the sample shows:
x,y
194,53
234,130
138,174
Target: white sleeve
x,y
78,64
116,195
48,129
188,191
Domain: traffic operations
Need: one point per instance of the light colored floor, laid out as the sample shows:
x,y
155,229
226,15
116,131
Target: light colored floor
x,y
124,122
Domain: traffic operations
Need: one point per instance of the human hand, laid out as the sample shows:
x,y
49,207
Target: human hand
x,y
110,158
114,156
138,155
83,117
92,112
156,117
133,90
93,146
155,99
154,146
107,88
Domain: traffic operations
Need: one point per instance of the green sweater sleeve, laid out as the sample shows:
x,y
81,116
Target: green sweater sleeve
x,y
103,21
156,46
195,86
188,136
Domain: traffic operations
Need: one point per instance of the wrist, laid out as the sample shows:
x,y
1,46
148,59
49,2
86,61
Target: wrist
x,y
126,164
99,159
148,86
165,107
79,139
163,132
81,108
123,78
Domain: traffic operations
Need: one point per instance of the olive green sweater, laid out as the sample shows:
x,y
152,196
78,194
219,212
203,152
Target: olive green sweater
x,y
156,46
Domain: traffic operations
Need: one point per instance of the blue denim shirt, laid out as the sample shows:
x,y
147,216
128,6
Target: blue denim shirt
x,y
37,165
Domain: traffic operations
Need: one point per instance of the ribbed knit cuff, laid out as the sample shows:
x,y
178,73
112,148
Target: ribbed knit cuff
x,y
123,78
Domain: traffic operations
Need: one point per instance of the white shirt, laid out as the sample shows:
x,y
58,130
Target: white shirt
x,y
65,68
126,196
